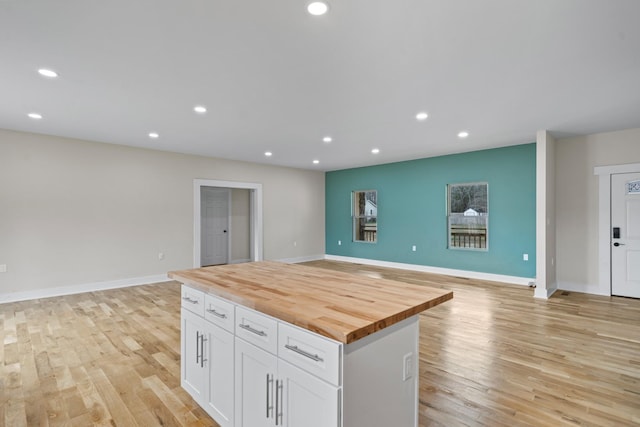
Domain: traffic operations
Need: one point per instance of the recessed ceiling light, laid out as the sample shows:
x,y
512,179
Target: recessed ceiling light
x,y
35,116
317,8
422,116
463,134
200,109
268,153
154,135
315,162
327,139
375,150
47,73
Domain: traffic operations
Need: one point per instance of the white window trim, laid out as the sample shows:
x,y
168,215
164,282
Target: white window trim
x,y
447,208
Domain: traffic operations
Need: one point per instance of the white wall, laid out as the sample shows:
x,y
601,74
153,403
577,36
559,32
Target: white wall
x,y
76,212
577,203
546,280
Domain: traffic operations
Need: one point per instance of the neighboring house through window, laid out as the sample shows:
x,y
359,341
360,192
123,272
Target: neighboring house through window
x,y
468,215
365,216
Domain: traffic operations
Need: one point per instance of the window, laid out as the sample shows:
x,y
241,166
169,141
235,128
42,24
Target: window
x,y
365,216
633,187
468,215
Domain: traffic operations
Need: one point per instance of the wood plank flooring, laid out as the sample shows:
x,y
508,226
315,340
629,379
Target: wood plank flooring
x,y
493,356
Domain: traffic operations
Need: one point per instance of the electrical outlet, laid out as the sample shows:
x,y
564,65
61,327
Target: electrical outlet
x,y
295,243
3,268
413,248
525,257
160,256
339,242
407,366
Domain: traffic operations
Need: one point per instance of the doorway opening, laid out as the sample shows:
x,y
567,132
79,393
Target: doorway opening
x,y
216,240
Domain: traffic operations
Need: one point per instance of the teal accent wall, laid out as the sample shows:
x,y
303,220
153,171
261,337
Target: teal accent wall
x,y
412,210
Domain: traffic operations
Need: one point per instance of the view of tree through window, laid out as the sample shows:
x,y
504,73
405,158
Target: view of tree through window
x,y
365,216
468,215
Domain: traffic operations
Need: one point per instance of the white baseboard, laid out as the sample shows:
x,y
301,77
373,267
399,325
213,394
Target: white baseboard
x,y
585,288
239,261
78,289
544,293
302,259
436,270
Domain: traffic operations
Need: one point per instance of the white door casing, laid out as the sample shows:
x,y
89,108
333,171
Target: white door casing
x,y
604,174
215,225
255,208
625,234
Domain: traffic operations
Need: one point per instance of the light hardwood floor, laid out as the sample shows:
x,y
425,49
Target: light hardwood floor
x,y
493,356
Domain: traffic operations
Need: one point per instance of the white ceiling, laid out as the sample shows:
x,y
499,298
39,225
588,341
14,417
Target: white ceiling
x,y
275,78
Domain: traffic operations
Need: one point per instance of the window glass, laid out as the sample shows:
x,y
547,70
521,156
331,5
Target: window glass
x,y
365,216
468,216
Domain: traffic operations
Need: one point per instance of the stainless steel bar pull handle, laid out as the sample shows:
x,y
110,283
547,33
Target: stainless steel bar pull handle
x,y
296,349
250,329
215,313
197,347
202,359
269,394
192,301
279,400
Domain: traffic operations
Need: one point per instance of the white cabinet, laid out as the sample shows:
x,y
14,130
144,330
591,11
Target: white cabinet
x,y
272,392
255,386
305,400
248,369
193,370
207,361
220,383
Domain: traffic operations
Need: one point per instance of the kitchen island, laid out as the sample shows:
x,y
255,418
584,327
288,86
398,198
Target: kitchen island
x,y
268,343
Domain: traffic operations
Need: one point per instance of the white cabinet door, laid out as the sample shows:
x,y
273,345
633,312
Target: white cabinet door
x,y
304,400
192,365
218,359
255,385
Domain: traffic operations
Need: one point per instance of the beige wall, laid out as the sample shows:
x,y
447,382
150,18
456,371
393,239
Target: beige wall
x,y
75,212
577,202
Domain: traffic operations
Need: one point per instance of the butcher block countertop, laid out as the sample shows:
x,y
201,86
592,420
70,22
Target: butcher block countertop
x,y
341,306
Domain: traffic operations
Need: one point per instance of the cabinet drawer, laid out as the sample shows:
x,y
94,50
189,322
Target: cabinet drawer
x,y
257,329
193,300
311,352
219,312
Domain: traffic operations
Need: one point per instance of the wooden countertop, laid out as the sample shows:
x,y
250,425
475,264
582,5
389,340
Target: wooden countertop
x,y
341,306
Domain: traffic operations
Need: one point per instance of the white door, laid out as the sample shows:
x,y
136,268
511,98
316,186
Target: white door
x,y
214,208
304,400
255,386
219,360
625,235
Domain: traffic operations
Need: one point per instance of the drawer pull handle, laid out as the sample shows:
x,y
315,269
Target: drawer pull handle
x,y
192,301
215,313
250,329
295,349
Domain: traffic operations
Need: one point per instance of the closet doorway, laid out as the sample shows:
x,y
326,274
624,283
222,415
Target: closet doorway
x,y
227,222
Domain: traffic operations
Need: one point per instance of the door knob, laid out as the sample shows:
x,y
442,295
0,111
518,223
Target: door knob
x,y
616,244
